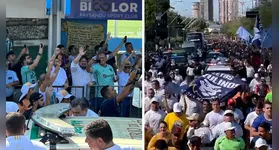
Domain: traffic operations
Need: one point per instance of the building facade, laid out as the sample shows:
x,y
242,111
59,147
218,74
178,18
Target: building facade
x,y
196,9
206,9
228,10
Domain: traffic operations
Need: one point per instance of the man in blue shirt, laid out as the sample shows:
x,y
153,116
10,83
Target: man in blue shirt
x,y
111,107
265,117
264,133
129,50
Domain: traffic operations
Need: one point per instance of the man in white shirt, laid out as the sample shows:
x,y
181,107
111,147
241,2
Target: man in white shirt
x,y
197,130
254,82
153,117
190,72
15,129
193,106
252,116
99,136
80,107
61,78
177,77
80,76
148,99
250,71
214,117
161,78
159,92
219,130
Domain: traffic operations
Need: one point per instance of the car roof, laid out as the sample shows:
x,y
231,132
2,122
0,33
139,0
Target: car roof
x,y
218,68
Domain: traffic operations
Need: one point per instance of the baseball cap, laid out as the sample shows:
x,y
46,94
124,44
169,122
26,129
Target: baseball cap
x,y
256,75
177,107
160,73
194,116
154,99
62,94
231,102
25,89
260,142
228,126
11,107
35,96
228,112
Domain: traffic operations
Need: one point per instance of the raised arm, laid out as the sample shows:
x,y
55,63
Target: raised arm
x,y
125,61
80,54
115,51
56,52
38,58
105,44
45,84
130,85
54,74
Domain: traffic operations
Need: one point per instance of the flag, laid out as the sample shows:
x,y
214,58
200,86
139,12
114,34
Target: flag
x,y
243,34
216,85
267,38
257,32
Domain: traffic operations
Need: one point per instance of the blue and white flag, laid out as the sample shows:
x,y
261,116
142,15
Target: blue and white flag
x,y
216,85
243,34
267,38
257,32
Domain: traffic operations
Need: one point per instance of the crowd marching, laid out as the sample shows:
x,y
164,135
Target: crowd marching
x,y
69,77
174,120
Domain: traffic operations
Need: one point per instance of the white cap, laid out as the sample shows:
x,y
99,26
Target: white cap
x,y
62,94
244,79
11,107
256,75
160,73
260,142
177,107
154,99
228,112
228,126
194,116
25,89
262,65
176,70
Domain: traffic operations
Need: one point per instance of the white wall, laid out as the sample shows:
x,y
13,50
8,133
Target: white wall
x,y
25,9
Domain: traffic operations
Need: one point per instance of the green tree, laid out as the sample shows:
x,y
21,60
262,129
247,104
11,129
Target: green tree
x,y
265,11
150,13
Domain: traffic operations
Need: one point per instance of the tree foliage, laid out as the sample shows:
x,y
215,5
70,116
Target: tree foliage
x,y
266,14
150,13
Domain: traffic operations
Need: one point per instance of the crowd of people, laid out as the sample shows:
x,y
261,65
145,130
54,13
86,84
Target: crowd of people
x,y
68,78
173,120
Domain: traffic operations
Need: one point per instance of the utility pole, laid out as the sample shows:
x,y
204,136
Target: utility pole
x,y
242,4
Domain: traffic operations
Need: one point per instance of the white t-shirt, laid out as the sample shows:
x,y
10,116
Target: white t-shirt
x,y
203,132
123,80
250,118
91,113
60,79
253,84
190,71
80,77
250,72
153,118
178,79
192,106
212,119
219,130
23,143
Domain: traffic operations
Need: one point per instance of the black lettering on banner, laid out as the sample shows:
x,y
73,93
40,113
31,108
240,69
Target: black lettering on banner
x,y
135,130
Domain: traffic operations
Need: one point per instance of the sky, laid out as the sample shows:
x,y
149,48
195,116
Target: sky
x,y
185,7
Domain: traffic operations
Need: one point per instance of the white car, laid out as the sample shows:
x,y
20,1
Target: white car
x,y
218,69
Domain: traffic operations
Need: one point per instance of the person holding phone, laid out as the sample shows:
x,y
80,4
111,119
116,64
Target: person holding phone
x,y
129,50
27,70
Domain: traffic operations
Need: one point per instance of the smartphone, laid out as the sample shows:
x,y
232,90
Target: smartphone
x,y
41,45
125,39
24,46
